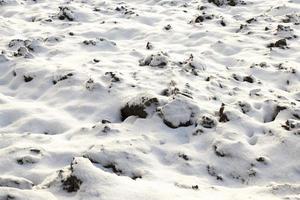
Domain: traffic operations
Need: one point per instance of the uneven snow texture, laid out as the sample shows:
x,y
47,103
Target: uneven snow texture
x,y
149,99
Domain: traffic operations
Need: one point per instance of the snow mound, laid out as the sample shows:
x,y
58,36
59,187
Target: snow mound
x,y
15,182
155,60
179,112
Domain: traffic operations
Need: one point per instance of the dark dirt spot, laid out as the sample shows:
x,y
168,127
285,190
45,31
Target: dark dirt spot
x,y
202,18
168,27
27,78
23,161
125,10
149,46
183,156
198,132
71,184
297,116
134,177
138,108
37,151
290,125
89,42
114,168
96,60
284,28
248,79
170,124
242,27
195,187
222,22
104,121
170,91
207,122
199,19
155,60
90,84
64,77
226,2
252,173
261,160
238,177
106,129
173,91
212,172
279,44
9,196
191,65
15,42
48,20
245,107
65,13
23,51
249,21
114,77
202,7
218,152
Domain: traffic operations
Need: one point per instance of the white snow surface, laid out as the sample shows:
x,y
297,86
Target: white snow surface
x,y
226,77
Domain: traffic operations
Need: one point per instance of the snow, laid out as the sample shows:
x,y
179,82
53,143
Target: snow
x,y
178,112
149,99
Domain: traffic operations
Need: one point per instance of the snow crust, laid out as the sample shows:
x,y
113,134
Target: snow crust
x,y
149,99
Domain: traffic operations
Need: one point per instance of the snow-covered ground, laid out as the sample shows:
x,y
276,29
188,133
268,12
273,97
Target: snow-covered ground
x,y
149,99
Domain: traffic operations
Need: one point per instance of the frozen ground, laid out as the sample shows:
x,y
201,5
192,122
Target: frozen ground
x,y
149,99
